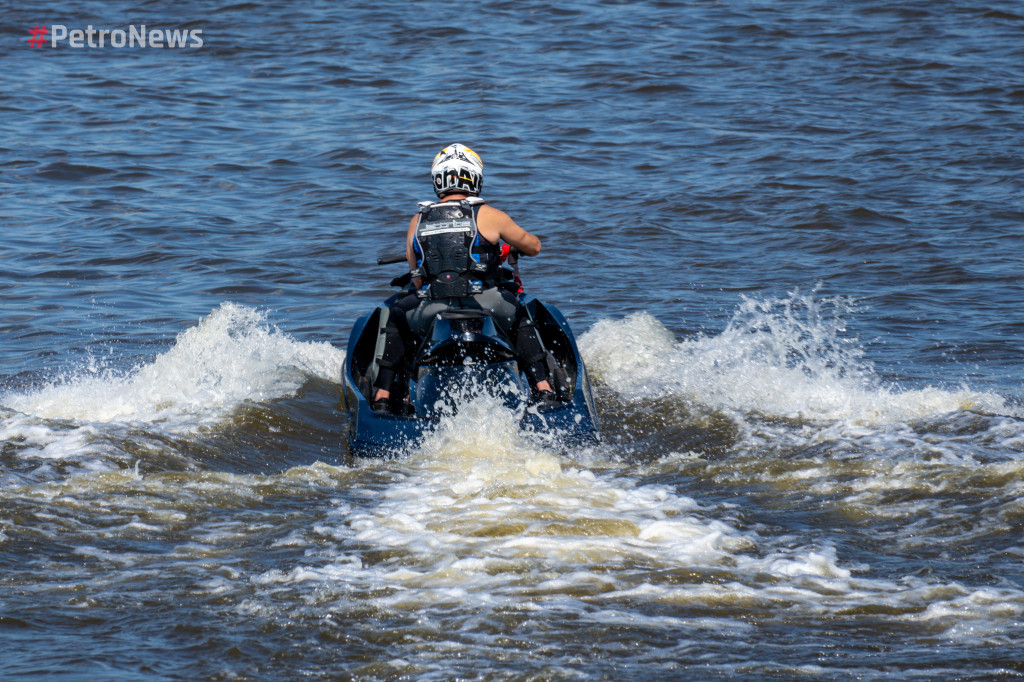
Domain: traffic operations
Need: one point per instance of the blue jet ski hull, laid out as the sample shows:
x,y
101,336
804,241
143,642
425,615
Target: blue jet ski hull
x,y
438,371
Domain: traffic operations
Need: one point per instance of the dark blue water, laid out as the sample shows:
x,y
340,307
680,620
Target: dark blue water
x,y
786,235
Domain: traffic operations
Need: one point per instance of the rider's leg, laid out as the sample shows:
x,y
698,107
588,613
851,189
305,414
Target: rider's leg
x,y
509,314
396,334
531,355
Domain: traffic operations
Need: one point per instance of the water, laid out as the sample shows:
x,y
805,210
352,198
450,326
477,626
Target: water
x,y
786,235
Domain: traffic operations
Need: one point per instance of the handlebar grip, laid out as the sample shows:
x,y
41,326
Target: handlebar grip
x,y
389,259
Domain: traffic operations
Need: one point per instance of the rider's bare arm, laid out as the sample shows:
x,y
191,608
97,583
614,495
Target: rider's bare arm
x,y
494,224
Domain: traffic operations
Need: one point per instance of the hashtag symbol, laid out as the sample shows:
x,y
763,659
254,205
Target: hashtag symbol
x,y
38,36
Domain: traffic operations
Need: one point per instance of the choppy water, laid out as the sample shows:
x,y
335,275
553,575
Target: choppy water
x,y
787,235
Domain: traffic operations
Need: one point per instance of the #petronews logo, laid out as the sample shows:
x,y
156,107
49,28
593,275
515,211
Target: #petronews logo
x,y
135,36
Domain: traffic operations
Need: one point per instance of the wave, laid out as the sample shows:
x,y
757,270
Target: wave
x,y
777,359
785,358
231,358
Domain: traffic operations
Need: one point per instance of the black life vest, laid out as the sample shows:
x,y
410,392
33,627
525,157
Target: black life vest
x,y
451,257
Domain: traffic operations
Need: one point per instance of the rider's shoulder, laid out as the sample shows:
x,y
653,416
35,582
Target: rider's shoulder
x,y
487,210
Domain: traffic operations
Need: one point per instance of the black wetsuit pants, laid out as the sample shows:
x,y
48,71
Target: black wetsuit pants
x,y
410,316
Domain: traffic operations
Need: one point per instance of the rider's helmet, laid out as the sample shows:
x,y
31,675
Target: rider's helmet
x,y
457,168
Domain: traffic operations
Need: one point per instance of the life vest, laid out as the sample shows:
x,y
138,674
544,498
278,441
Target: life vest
x,y
451,257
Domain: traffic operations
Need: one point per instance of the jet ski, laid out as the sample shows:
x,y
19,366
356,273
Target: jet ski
x,y
463,354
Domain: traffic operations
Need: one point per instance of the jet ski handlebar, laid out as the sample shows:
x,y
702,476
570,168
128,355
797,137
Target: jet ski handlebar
x,y
388,259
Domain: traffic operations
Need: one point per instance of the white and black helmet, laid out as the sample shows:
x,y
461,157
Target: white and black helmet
x,y
457,168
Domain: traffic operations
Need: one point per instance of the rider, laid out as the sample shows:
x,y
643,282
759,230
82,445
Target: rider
x,y
454,255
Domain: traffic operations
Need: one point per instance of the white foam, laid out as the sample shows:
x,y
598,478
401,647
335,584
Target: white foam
x,y
230,357
481,519
961,614
779,357
482,514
